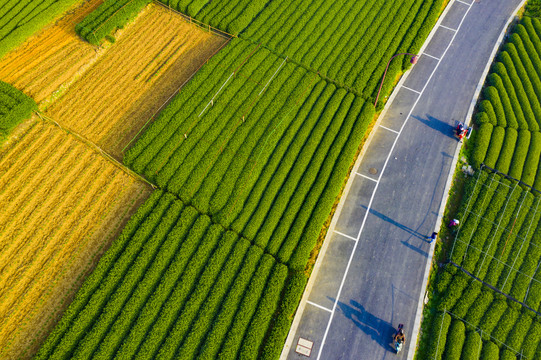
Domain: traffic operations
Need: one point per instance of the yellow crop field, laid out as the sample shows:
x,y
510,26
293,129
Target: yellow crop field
x,y
135,76
51,59
61,204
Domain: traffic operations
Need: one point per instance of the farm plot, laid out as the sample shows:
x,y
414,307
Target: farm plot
x,y
250,142
347,41
20,19
50,60
62,204
509,114
474,322
499,240
14,107
176,285
131,81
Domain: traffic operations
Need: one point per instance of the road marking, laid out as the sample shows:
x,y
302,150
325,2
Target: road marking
x,y
366,177
344,235
386,128
318,306
448,28
465,3
433,57
410,89
377,184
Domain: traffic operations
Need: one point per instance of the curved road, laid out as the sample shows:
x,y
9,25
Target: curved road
x,y
372,273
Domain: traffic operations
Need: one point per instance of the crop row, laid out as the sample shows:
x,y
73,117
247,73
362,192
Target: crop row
x,y
476,323
347,41
271,177
20,19
173,285
508,117
15,106
500,236
108,17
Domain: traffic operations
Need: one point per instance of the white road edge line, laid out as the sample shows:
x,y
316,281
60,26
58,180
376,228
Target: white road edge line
x,y
344,235
388,129
448,28
366,177
376,188
318,306
431,56
410,89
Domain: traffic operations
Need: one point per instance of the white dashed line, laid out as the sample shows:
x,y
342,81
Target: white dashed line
x,y
377,184
465,3
346,236
318,306
448,28
430,56
367,177
410,89
386,128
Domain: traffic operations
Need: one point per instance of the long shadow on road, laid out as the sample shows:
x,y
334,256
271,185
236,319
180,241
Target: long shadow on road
x,y
379,330
437,125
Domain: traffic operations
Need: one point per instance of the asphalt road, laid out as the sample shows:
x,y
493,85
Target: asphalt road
x,y
371,276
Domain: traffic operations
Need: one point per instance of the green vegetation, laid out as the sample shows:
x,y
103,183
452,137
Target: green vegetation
x,y
511,101
108,17
14,107
20,19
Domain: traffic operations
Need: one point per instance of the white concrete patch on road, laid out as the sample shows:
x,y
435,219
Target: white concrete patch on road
x,y
416,326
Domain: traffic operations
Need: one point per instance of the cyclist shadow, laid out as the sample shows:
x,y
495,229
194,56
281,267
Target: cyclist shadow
x,y
379,330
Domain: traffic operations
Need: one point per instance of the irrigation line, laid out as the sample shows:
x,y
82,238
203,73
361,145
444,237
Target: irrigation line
x,y
439,336
96,148
498,226
531,280
483,332
465,213
514,222
263,147
173,94
523,241
212,100
272,77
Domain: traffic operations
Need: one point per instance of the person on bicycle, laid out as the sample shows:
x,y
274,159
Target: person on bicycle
x,y
400,337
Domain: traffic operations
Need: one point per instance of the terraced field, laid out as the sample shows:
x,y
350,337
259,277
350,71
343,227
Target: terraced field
x,y
62,205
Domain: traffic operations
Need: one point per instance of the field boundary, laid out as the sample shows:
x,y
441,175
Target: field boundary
x,y
198,23
173,95
96,148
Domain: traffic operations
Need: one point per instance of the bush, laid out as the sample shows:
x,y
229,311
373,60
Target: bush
x,y
520,153
491,94
496,143
532,160
483,141
472,346
108,17
508,149
486,107
15,107
490,351
455,339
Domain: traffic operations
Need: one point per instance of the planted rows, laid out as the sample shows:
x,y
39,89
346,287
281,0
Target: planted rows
x,y
499,240
108,17
508,116
474,322
271,177
20,19
347,41
175,284
15,106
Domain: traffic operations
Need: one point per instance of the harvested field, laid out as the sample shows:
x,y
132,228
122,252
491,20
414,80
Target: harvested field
x,y
62,204
53,58
128,84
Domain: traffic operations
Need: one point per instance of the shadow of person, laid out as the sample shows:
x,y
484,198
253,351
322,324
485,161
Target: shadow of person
x,y
438,125
379,330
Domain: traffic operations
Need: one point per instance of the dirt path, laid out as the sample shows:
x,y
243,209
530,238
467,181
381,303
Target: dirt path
x,y
62,204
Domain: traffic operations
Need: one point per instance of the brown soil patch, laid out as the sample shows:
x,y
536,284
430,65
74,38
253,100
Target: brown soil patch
x,y
47,62
128,84
62,204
